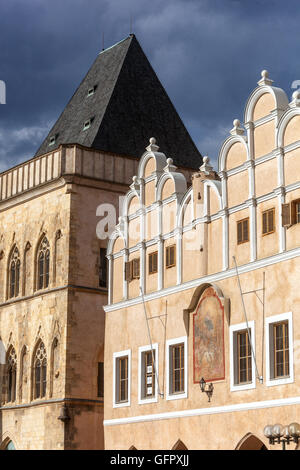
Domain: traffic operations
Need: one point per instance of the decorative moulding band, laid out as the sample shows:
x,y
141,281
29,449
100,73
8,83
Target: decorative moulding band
x,y
240,407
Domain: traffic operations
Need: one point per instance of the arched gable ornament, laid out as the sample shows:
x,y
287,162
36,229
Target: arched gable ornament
x,y
152,152
265,85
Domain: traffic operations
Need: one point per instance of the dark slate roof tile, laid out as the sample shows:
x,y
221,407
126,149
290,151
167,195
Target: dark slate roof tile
x,y
128,107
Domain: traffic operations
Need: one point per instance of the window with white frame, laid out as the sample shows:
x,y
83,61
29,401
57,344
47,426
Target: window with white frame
x,y
242,351
176,359
148,373
121,378
279,349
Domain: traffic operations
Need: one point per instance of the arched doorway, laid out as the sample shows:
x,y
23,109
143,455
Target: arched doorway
x,y
7,444
10,446
179,446
250,442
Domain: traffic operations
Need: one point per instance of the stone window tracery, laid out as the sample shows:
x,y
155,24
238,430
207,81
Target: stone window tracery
x,y
11,375
14,273
40,371
43,264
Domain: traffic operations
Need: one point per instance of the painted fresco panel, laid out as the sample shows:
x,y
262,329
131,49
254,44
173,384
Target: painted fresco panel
x,y
209,338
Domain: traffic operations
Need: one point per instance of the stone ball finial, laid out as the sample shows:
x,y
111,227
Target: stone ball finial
x,y
170,161
152,140
236,123
134,178
296,95
205,159
264,74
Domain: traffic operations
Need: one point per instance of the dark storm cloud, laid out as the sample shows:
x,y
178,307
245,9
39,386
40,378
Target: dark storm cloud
x,y
207,53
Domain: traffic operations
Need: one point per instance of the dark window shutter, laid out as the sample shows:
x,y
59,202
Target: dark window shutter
x,y
128,271
172,255
240,231
155,263
271,221
287,214
245,230
265,222
151,264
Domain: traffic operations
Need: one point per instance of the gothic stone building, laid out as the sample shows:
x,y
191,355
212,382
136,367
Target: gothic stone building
x,y
52,264
180,254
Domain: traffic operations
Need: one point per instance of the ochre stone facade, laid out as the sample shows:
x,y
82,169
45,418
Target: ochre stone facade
x,y
159,406
56,196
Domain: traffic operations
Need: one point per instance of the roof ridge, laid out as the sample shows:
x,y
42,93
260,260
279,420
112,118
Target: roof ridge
x,y
116,44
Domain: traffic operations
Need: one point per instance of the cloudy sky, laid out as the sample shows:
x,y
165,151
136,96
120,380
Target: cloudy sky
x,y
208,55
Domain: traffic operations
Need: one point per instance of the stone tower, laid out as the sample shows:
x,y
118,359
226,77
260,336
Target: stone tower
x,y
53,265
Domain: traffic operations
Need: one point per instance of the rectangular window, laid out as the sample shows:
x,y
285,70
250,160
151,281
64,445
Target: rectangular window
x,y
177,371
244,357
148,389
132,269
170,256
122,379
176,368
268,221
281,349
295,211
242,365
290,213
100,380
147,374
153,263
243,231
103,268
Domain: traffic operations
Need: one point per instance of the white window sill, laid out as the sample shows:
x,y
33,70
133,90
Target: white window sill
x,y
283,381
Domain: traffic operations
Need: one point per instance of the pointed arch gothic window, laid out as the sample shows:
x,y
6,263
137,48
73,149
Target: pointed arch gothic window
x,y
40,371
11,374
43,264
14,273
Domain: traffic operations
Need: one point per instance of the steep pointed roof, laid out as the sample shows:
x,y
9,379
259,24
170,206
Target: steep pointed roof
x,y
126,104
